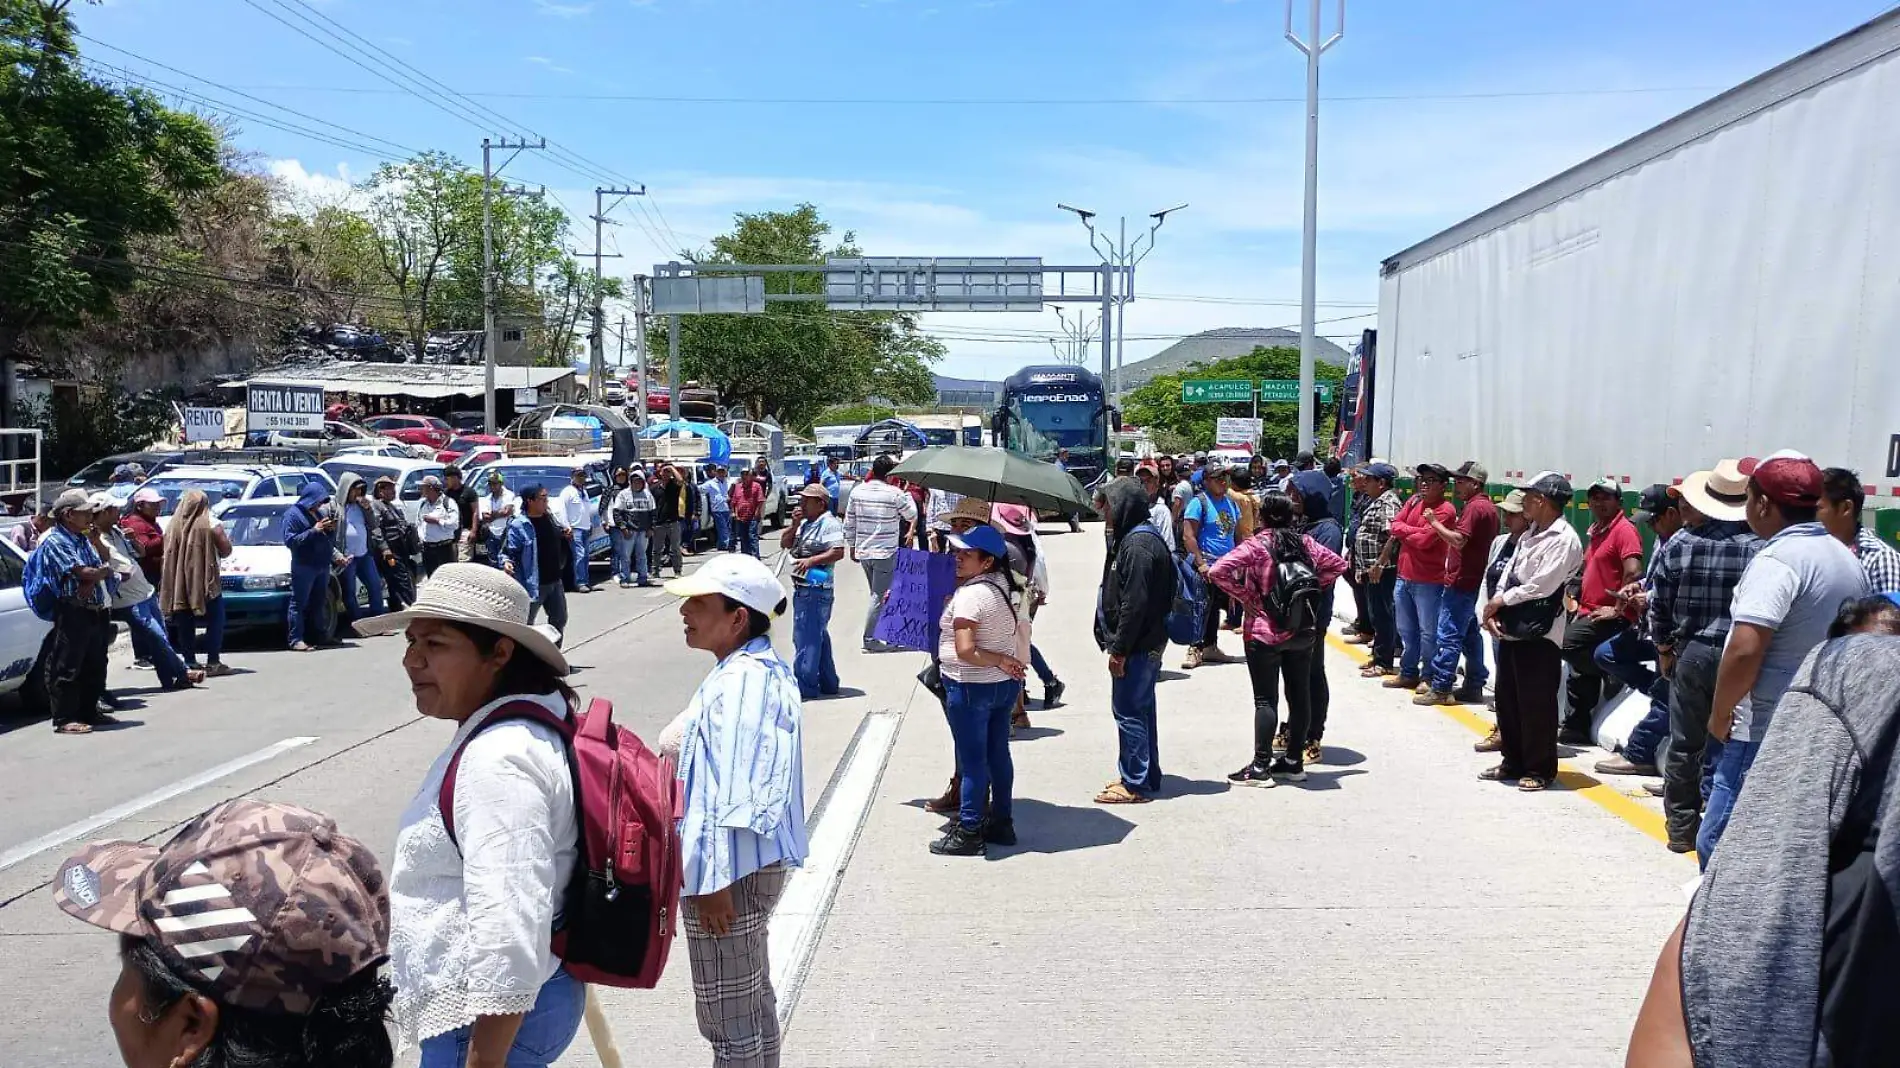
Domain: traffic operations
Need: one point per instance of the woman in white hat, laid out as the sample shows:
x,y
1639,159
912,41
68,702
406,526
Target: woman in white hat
x,y
741,763
475,898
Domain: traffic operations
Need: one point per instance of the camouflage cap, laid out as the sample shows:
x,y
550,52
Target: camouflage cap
x,y
267,906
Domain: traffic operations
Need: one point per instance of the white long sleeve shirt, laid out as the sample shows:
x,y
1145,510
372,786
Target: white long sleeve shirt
x,y
576,509
470,928
441,519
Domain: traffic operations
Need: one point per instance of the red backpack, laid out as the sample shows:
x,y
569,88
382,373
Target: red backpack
x,y
617,913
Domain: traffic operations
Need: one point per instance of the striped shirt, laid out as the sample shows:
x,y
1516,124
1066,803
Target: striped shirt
x,y
49,571
986,603
941,504
874,518
1879,560
743,772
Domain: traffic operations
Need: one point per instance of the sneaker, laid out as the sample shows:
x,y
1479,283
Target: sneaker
x,y
218,669
625,585
1401,682
1052,693
1279,740
1491,743
1252,775
1575,736
1315,753
1192,660
1213,655
1467,696
1617,765
1000,832
142,664
1653,789
959,841
1288,768
1429,696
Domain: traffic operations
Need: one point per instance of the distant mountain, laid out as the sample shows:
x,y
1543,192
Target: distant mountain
x,y
1210,345
945,382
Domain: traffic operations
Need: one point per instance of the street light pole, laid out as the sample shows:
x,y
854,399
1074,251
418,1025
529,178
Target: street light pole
x,y
1118,261
1313,47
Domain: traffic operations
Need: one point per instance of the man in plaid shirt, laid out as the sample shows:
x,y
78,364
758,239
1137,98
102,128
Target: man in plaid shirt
x,y
1842,498
1692,581
1373,481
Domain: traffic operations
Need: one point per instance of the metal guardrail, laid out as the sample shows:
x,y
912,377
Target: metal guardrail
x,y
13,462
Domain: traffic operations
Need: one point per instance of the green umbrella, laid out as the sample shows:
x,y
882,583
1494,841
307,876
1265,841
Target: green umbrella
x,y
995,475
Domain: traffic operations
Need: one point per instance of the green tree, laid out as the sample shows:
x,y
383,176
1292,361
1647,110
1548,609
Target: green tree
x,y
1157,404
799,358
86,171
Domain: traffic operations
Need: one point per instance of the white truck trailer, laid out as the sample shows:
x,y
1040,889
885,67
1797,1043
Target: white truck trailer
x,y
1725,284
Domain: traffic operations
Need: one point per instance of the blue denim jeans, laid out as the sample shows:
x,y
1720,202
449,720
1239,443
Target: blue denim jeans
x,y
722,531
1624,658
1415,605
1732,761
309,592
362,568
1458,635
578,547
149,628
812,665
630,554
979,723
546,1031
746,532
1132,700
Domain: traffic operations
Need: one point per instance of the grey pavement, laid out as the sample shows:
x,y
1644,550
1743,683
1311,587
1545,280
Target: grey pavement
x,y
1391,910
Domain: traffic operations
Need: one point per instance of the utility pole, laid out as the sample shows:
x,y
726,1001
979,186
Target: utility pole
x,y
1312,47
490,336
640,344
596,352
1118,260
673,367
1077,337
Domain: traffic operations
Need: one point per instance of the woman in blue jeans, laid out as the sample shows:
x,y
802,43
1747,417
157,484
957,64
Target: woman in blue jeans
x,y
980,652
816,543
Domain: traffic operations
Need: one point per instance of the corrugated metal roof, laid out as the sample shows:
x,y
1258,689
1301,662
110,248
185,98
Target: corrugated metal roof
x,y
404,379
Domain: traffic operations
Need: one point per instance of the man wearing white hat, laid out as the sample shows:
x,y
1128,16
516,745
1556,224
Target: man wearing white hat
x,y
742,766
1691,586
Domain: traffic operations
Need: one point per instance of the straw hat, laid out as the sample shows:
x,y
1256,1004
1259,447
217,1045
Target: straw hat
x,y
969,508
1719,494
480,596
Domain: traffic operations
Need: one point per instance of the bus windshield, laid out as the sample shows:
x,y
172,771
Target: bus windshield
x,y
1039,427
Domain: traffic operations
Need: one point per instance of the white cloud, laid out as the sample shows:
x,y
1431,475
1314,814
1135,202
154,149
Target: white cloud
x,y
308,188
563,11
547,64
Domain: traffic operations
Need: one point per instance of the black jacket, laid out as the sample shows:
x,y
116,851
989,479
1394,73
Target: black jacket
x,y
1138,588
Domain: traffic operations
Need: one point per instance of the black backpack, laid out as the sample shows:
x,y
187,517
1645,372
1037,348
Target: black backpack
x,y
1860,937
1295,599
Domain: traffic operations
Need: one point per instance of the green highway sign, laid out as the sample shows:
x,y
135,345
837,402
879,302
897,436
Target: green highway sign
x,y
1216,391
1287,391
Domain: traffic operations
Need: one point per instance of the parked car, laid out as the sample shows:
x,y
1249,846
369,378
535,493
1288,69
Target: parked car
x,y
256,576
231,482
552,472
21,633
408,473
97,475
480,456
335,435
463,443
465,422
412,429
775,510
388,449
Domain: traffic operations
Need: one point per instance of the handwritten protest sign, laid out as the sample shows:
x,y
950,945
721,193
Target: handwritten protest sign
x,y
920,582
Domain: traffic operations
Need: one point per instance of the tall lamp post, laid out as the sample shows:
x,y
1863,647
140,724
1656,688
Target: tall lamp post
x,y
1313,47
1119,259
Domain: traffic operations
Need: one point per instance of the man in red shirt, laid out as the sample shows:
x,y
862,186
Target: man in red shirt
x,y
748,500
1423,557
1470,544
1612,559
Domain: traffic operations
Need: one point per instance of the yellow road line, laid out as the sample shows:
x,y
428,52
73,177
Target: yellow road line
x,y
1569,776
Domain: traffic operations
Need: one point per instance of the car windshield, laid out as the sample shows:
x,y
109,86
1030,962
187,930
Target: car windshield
x,y
797,468
552,477
215,489
367,472
255,525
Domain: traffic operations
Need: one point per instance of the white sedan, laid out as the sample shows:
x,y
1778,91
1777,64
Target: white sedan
x,y
21,633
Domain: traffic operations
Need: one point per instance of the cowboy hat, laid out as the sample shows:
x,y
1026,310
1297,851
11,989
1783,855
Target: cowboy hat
x,y
480,596
969,508
1012,518
1721,493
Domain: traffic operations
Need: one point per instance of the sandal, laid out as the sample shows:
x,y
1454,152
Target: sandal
x,y
1530,784
73,728
303,647
1119,794
1374,671
1499,773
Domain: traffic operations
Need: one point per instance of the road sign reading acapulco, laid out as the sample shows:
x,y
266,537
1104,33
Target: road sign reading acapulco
x,y
1216,391
283,407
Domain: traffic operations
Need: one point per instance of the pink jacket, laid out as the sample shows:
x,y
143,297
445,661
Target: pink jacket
x,y
1247,573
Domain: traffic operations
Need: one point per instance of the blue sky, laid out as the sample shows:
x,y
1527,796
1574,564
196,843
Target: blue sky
x,y
1120,106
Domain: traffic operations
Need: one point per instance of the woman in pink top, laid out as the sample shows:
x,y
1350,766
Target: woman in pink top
x,y
1246,574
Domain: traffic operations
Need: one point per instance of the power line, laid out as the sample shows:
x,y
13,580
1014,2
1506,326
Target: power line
x,y
1039,101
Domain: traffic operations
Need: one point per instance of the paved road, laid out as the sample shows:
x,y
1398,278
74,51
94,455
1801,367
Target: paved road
x,y
1391,911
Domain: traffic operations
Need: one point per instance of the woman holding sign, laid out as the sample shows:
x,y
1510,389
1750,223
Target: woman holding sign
x,y
816,542
981,653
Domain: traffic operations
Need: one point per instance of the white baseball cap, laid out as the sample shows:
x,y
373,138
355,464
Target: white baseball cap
x,y
738,576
